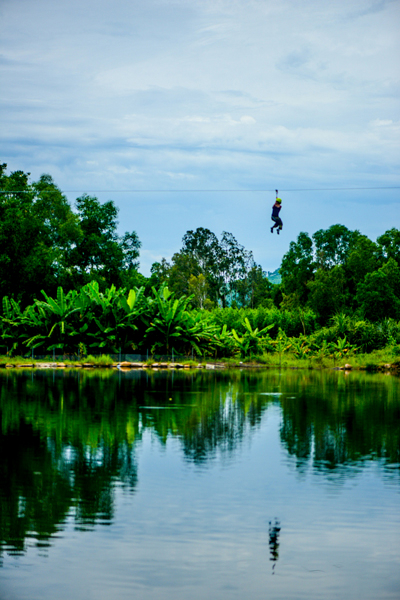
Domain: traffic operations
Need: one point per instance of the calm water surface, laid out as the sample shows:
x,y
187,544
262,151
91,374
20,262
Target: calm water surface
x,y
199,485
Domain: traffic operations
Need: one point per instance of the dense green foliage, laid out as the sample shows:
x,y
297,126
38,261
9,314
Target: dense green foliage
x,y
215,272
339,270
45,244
119,321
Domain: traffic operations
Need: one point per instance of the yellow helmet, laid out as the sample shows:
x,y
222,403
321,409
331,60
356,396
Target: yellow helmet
x,y
278,200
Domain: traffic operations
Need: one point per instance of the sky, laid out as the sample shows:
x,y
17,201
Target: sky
x,y
212,104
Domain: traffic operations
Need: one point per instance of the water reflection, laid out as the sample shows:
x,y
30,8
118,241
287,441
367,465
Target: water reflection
x,y
345,424
274,531
68,437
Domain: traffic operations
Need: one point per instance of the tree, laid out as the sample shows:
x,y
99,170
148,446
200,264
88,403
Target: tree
x,y
225,264
332,246
44,244
323,272
198,288
183,267
328,292
133,279
389,243
37,226
379,294
234,266
60,226
100,254
297,267
203,246
255,289
363,258
159,275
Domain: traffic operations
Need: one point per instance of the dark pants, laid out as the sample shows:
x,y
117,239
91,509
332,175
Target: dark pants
x,y
278,222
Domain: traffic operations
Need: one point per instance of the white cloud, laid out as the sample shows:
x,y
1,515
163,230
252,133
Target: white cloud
x,y
233,94
247,120
381,122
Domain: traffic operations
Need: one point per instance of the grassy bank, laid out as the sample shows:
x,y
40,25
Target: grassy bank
x,y
378,360
97,361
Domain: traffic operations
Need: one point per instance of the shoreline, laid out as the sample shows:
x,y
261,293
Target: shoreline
x,y
390,368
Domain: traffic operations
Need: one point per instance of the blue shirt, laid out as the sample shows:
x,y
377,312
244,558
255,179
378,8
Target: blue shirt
x,y
275,210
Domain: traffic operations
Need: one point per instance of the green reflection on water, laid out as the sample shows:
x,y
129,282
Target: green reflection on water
x,y
69,437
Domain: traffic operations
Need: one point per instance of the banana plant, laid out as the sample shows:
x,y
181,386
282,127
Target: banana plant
x,y
300,347
132,309
36,323
198,333
323,351
10,324
343,348
116,319
100,311
253,341
55,317
167,321
224,342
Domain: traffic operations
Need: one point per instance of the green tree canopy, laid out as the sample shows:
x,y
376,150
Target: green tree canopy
x,y
100,254
338,270
332,246
183,267
379,294
328,292
364,257
44,243
230,272
389,243
37,226
297,267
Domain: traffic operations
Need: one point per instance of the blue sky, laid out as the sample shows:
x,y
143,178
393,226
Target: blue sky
x,y
244,95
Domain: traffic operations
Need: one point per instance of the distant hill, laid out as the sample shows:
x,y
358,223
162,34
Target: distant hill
x,y
273,276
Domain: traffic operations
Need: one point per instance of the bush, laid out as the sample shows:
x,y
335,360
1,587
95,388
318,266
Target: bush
x,y
101,361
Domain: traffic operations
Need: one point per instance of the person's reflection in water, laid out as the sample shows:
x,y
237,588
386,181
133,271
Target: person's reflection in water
x,y
274,531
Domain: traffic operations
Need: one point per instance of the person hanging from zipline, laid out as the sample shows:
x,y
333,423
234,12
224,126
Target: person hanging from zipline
x,y
275,214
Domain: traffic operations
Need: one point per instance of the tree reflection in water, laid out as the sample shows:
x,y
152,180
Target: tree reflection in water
x,y
69,437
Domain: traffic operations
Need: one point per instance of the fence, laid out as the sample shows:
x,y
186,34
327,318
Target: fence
x,y
120,357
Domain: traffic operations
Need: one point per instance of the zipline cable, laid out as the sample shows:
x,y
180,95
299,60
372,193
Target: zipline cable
x,y
136,191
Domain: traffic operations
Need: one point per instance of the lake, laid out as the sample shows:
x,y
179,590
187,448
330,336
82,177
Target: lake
x,y
260,484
